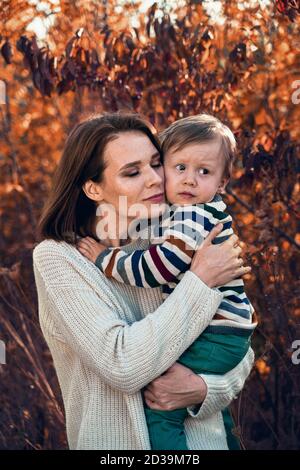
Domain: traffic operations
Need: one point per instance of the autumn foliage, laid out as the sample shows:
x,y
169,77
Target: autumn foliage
x,y
166,63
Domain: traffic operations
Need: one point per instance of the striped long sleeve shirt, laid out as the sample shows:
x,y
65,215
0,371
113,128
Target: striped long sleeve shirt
x,y
169,257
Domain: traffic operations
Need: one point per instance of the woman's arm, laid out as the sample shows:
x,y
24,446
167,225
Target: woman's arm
x,y
126,356
222,389
129,356
201,394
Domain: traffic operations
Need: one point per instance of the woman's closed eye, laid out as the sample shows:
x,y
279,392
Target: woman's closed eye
x,y
154,165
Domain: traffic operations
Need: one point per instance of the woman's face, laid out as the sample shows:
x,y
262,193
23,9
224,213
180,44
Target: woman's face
x,y
132,177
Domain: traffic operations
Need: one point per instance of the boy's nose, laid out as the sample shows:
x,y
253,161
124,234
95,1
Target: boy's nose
x,y
190,180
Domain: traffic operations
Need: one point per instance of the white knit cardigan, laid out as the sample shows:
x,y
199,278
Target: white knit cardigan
x,y
108,340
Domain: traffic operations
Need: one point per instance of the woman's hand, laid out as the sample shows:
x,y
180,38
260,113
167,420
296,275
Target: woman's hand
x,y
89,248
217,265
177,388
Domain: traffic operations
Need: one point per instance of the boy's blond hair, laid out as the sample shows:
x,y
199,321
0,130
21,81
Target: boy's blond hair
x,y
196,130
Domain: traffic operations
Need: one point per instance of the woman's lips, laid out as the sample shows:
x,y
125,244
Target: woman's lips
x,y
155,198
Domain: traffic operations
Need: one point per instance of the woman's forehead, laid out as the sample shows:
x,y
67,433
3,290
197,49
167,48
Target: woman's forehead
x,y
128,147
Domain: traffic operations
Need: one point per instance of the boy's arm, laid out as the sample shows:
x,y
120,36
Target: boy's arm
x,y
138,268
154,267
159,264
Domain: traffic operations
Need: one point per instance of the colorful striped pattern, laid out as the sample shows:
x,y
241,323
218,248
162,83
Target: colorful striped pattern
x,y
165,263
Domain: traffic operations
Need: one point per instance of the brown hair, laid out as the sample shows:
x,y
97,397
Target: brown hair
x,y
68,212
196,130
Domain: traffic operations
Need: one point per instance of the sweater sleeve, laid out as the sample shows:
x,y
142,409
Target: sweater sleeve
x,y
126,356
222,389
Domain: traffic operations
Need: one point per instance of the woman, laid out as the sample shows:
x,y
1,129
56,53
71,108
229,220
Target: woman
x,y
109,340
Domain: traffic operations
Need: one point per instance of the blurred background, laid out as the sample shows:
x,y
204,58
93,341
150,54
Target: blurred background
x,y
240,60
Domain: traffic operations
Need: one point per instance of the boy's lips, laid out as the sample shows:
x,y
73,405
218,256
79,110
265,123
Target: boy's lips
x,y
186,194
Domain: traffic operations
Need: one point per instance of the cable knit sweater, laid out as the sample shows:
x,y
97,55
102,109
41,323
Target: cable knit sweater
x,y
108,340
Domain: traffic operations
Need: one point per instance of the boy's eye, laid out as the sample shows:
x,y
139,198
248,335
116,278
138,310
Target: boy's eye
x,y
180,167
203,171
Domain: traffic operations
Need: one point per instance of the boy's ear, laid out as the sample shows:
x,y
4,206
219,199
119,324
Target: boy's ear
x,y
93,190
222,185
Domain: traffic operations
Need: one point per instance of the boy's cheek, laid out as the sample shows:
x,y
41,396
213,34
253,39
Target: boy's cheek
x,y
170,174
169,185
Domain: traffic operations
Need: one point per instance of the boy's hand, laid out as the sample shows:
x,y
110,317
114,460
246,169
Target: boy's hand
x,y
90,248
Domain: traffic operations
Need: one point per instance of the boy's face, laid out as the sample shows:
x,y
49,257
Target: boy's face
x,y
194,174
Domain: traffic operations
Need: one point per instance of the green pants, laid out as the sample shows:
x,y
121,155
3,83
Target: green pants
x,y
210,354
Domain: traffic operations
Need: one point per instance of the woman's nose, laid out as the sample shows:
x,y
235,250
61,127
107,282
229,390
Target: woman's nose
x,y
153,178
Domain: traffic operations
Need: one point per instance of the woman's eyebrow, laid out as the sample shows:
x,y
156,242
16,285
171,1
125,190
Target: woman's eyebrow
x,y
128,165
137,162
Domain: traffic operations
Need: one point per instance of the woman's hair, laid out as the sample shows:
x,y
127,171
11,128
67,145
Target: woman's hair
x,y
196,130
68,212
